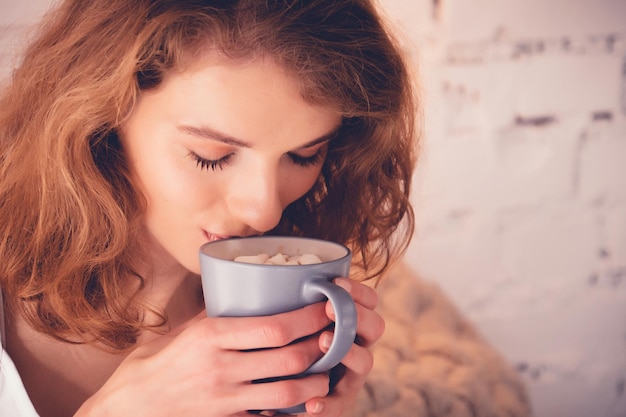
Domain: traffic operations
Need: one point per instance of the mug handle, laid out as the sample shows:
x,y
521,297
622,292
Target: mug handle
x,y
345,324
345,330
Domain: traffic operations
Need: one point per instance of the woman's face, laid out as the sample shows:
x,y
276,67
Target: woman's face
x,y
220,150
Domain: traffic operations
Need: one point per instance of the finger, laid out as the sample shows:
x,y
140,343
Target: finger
x,y
244,333
281,394
343,395
279,362
339,401
360,293
333,405
358,359
370,326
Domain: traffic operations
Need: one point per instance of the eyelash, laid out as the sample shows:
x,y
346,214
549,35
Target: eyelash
x,y
210,164
215,164
309,160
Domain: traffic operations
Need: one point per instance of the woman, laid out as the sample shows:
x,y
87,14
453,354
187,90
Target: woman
x,y
135,131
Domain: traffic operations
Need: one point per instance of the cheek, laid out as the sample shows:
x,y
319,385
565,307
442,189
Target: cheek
x,y
168,179
298,182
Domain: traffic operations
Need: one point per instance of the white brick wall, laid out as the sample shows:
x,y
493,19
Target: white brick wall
x,y
521,196
16,18
521,192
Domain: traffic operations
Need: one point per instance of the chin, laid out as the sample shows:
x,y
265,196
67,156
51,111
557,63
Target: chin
x,y
192,265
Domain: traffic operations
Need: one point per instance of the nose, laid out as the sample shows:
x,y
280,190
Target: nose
x,y
254,198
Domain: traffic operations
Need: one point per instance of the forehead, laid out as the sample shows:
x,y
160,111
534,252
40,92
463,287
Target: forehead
x,y
312,84
249,100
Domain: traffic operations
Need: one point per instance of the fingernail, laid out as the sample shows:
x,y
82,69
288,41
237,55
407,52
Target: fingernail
x,y
318,407
326,340
329,311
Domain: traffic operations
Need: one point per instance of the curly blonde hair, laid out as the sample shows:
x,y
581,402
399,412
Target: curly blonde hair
x,y
69,213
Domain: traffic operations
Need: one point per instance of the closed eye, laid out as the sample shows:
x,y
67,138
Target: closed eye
x,y
306,161
210,164
219,164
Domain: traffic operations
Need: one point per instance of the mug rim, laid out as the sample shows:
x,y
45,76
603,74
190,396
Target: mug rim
x,y
203,247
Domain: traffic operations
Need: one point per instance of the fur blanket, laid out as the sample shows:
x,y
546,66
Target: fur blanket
x,y
432,363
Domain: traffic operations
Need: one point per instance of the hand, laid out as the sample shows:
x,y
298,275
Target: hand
x,y
359,360
204,368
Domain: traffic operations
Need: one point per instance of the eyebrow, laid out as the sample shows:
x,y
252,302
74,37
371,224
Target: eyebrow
x,y
211,134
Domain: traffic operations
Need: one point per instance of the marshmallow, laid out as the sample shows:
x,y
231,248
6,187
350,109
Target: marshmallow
x,y
308,259
253,259
279,259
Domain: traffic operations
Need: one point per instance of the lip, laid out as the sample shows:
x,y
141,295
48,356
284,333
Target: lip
x,y
211,237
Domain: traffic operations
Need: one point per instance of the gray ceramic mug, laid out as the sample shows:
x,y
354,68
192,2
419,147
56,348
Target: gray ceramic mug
x,y
236,289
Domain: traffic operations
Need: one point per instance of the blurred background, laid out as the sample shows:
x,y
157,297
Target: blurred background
x,y
520,192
